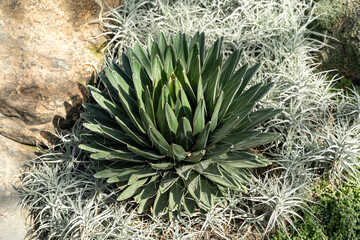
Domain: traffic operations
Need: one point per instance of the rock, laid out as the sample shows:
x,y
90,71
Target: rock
x,y
111,3
13,156
45,55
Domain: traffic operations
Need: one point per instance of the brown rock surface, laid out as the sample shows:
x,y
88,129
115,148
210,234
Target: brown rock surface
x,y
44,54
13,156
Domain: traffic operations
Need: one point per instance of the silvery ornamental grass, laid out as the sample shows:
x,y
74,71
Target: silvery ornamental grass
x,y
319,127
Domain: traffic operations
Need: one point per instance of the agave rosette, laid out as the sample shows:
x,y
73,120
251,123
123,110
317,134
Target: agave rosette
x,y
173,126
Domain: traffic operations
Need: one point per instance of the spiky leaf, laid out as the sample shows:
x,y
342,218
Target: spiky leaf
x,y
172,126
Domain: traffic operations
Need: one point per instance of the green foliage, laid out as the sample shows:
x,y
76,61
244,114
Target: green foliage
x,y
340,20
337,216
345,84
67,202
173,127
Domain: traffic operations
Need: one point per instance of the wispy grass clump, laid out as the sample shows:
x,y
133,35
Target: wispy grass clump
x,y
67,202
319,127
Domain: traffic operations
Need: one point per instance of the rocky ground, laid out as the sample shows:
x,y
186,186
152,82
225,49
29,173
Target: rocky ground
x,y
45,56
13,156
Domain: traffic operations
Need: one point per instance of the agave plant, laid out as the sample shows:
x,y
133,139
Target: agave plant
x,y
173,126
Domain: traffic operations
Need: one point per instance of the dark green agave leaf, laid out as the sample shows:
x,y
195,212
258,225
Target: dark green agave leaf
x,y
172,124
